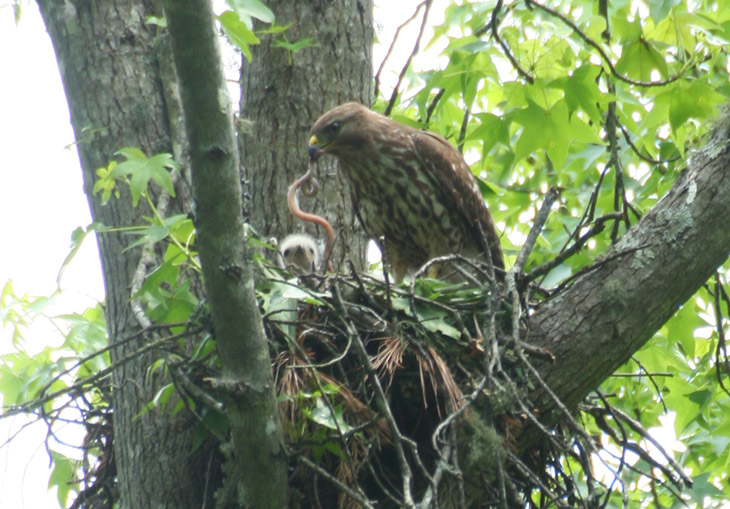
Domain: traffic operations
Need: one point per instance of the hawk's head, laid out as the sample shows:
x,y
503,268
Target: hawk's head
x,y
340,130
300,253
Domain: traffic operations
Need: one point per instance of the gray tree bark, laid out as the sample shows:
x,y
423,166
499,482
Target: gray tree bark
x,y
107,59
281,99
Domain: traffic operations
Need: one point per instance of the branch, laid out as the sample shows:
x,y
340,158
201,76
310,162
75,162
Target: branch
x,y
609,312
239,332
638,153
335,482
546,267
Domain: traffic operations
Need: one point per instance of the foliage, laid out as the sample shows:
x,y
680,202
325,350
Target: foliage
x,y
59,384
604,102
237,24
601,101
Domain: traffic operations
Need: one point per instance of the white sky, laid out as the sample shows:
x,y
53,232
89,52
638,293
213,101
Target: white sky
x,y
42,202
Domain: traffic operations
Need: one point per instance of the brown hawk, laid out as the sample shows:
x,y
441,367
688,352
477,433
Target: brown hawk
x,y
411,187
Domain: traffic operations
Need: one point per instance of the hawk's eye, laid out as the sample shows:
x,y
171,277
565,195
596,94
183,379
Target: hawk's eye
x,y
287,251
333,128
311,251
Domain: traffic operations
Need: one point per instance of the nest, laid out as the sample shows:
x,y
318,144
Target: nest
x,y
382,384
394,396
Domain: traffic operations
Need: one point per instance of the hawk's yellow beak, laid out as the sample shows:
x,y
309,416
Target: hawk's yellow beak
x,y
314,149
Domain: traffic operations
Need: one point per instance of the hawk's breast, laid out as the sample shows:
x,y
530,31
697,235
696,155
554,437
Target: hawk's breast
x,y
398,200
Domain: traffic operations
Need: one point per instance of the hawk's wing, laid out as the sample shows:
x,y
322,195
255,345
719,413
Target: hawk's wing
x,y
454,177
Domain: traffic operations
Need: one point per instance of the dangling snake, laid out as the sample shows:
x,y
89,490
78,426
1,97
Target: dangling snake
x,y
306,216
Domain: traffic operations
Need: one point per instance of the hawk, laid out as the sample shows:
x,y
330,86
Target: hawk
x,y
410,187
299,252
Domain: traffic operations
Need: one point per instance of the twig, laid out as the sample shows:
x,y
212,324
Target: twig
x,y
107,348
432,106
516,270
318,382
638,428
520,465
650,376
601,52
600,263
636,150
557,401
392,46
546,267
38,402
462,131
494,25
604,425
394,95
357,497
619,194
534,233
720,363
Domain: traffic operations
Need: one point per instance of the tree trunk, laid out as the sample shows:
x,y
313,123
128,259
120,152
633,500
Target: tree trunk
x,y
282,94
107,59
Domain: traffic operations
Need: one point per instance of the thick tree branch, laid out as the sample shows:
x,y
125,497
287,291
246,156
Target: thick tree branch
x,y
608,313
241,341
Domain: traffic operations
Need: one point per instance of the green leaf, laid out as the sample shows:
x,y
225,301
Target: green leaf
x,y
160,21
248,9
143,169
295,46
639,59
87,331
106,183
11,383
181,228
682,325
204,348
238,33
544,129
658,9
62,476
698,101
700,398
162,398
702,488
77,239
581,91
148,235
17,11
275,29
431,318
490,131
322,415
626,26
